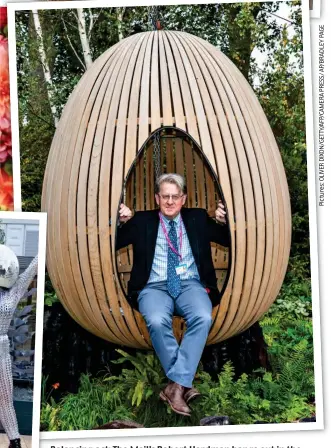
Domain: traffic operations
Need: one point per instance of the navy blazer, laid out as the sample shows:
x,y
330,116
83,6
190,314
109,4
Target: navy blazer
x,y
141,231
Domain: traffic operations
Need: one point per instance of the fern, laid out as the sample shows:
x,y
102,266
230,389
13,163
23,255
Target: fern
x,y
144,381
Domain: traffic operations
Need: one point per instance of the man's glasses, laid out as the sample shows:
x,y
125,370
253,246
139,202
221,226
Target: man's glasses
x,y
167,197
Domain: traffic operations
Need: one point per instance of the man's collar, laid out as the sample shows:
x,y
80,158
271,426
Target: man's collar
x,y
167,220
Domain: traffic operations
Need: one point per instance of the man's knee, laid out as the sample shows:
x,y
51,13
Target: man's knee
x,y
158,321
202,319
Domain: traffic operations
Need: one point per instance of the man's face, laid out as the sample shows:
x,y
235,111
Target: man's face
x,y
170,199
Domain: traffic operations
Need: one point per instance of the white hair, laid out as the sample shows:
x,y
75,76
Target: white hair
x,y
171,178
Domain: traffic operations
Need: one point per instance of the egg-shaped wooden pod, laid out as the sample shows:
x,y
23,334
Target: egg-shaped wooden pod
x,y
143,83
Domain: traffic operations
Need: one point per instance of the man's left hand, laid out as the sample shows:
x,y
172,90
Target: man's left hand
x,y
220,213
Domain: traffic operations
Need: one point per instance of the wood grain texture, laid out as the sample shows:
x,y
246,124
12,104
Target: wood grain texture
x,y
145,82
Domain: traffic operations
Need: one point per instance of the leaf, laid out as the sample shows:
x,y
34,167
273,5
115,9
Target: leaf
x,y
26,310
138,393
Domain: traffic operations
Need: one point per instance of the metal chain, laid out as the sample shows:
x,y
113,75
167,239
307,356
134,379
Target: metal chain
x,y
155,16
157,155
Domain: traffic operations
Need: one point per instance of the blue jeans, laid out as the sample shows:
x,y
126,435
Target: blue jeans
x,y
179,362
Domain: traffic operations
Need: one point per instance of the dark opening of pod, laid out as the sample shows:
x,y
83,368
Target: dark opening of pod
x,y
172,150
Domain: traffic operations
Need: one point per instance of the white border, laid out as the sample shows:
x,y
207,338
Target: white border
x,y
312,221
41,218
311,173
315,13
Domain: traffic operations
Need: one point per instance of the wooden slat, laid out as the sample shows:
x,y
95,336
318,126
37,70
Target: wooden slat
x,y
145,94
179,120
154,85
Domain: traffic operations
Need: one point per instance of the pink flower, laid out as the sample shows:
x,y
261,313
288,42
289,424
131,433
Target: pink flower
x,y
6,190
4,61
4,85
6,180
3,17
5,130
5,146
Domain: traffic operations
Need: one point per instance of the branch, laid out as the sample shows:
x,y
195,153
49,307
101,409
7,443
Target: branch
x,y
69,24
73,12
95,21
282,18
38,116
70,43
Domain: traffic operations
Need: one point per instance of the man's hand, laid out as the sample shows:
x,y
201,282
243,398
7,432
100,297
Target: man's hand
x,y
124,213
220,213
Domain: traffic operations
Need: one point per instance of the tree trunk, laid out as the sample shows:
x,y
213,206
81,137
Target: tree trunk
x,y
241,43
119,17
45,66
84,38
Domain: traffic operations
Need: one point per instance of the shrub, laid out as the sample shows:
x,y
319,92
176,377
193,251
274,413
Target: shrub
x,y
249,399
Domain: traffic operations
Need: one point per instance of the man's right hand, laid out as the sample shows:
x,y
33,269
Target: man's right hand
x,y
124,213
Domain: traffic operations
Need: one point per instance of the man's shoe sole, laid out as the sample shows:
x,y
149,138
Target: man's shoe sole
x,y
166,399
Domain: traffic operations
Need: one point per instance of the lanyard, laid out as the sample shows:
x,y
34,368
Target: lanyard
x,y
168,239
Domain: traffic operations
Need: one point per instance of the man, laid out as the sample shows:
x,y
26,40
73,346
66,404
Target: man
x,y
173,273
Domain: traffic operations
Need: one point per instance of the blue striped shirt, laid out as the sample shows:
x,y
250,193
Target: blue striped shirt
x,y
160,261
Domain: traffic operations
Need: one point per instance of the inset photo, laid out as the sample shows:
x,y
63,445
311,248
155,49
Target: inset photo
x,y
22,270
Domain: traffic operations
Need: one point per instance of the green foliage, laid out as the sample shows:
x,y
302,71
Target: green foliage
x,y
280,89
283,395
50,294
95,404
292,359
50,298
142,382
268,398
294,301
49,419
49,409
288,332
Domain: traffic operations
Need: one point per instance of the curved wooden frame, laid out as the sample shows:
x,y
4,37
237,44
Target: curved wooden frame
x,y
150,80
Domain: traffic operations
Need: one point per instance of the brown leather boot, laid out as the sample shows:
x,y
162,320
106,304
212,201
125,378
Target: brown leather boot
x,y
173,395
190,394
